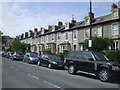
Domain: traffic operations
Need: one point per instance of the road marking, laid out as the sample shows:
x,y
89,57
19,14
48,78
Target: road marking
x,y
53,85
33,76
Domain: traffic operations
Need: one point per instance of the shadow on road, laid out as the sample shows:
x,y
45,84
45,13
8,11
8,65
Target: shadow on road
x,y
114,81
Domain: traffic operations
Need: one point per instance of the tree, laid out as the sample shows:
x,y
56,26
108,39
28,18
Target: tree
x,y
98,44
2,40
18,46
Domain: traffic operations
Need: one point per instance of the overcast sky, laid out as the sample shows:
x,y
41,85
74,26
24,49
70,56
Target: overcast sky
x,y
19,17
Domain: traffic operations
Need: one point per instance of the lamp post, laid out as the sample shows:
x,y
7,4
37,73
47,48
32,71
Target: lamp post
x,y
90,41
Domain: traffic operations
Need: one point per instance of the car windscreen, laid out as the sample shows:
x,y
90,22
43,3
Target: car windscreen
x,y
33,55
53,57
19,53
100,56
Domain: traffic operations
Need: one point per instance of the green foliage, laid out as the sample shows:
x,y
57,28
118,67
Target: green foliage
x,y
47,51
2,40
18,46
98,44
114,56
63,55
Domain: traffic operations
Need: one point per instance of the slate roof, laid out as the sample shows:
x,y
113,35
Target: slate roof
x,y
80,24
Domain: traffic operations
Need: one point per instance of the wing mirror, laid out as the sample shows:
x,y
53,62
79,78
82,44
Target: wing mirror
x,y
91,59
47,58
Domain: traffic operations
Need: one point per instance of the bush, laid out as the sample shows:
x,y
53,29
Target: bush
x,y
114,56
98,44
47,51
63,55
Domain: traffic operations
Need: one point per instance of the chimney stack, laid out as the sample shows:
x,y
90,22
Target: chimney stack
x,y
92,15
50,27
60,23
113,6
35,29
73,21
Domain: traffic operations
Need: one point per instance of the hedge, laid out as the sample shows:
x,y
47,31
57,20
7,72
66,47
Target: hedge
x,y
114,56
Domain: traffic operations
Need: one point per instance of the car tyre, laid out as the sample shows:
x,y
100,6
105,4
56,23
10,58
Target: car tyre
x,y
72,69
104,75
39,63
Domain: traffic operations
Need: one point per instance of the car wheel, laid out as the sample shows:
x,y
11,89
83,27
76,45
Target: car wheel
x,y
104,75
49,65
39,63
71,69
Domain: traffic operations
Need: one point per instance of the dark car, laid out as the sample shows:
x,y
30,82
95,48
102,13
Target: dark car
x,y
31,58
93,63
17,56
51,61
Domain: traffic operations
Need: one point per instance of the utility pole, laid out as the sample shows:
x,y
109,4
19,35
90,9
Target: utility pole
x,y
90,41
90,20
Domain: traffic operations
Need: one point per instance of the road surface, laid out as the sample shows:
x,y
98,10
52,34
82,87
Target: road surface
x,y
16,74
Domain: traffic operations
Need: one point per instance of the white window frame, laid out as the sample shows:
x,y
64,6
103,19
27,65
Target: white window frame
x,y
115,29
75,34
67,25
99,32
115,13
87,33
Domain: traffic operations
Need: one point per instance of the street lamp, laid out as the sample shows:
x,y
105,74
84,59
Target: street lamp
x,y
90,41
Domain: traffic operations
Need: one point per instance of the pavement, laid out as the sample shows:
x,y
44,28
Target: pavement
x,y
17,74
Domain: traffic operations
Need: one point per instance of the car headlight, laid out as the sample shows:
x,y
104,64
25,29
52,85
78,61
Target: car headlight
x,y
115,68
54,62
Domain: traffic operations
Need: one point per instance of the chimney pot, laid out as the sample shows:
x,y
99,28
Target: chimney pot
x,y
60,23
114,6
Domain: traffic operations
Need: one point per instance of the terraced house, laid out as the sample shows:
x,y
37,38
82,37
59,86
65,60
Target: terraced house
x,y
71,35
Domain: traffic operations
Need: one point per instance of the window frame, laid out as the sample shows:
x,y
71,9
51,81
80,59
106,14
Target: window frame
x,y
115,29
115,13
66,35
75,34
87,31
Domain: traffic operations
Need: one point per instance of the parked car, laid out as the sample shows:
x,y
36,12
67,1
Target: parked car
x,y
4,54
93,63
17,56
51,61
31,58
9,54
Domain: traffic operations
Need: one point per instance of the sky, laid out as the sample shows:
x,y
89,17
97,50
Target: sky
x,y
20,17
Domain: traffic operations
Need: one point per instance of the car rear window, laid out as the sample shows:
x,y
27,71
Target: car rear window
x,y
76,55
19,53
